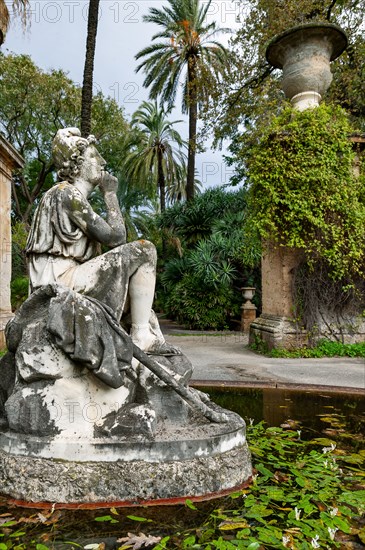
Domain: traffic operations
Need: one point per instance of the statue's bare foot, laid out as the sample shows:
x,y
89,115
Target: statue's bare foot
x,y
164,348
148,342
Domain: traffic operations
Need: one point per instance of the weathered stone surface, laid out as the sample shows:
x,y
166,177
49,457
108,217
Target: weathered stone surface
x,y
128,421
50,480
277,332
198,437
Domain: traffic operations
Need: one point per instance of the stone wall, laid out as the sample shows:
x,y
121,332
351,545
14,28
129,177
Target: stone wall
x,y
10,160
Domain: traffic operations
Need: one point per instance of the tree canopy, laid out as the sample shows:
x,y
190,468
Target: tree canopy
x,y
34,104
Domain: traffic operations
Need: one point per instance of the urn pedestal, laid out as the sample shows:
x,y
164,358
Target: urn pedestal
x,y
248,309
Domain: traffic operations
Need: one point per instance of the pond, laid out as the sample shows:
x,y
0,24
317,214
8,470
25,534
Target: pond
x,y
308,452
314,413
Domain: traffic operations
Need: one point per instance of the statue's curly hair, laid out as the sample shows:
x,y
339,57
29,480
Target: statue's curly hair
x,y
68,153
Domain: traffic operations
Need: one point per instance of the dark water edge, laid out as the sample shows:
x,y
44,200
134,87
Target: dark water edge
x,y
314,413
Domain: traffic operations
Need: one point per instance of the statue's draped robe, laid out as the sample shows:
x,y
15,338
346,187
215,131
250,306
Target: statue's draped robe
x,y
61,250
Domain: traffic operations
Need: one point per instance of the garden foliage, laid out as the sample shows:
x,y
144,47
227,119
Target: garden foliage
x,y
304,193
212,259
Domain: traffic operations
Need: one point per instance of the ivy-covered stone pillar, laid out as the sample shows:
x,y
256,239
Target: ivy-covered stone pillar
x,y
10,160
304,54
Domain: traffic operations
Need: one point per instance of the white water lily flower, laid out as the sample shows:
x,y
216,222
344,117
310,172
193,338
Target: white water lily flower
x,y
297,513
314,542
285,540
333,512
332,447
332,532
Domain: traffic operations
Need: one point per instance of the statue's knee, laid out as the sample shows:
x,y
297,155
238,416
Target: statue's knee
x,y
149,250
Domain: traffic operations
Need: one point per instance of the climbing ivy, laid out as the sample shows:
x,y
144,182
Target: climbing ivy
x,y
304,193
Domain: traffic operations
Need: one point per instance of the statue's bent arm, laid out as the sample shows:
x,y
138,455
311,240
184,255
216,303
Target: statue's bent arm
x,y
111,233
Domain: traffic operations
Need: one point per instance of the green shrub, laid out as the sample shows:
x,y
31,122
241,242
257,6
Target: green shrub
x,y
199,306
19,291
216,256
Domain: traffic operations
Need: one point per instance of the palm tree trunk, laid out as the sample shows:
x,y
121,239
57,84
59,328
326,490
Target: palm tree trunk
x,y
193,117
161,183
87,86
162,188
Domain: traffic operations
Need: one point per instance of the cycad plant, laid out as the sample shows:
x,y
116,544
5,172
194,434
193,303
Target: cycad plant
x,y
201,283
187,49
154,150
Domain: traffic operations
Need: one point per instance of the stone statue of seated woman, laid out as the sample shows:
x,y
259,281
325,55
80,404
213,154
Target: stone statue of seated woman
x,y
65,234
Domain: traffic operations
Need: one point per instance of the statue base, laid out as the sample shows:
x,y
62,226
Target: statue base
x,y
87,424
202,459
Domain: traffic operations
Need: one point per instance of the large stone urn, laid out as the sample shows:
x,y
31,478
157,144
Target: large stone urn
x,y
304,54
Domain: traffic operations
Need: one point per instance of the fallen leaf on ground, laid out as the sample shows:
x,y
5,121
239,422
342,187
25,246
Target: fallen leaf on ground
x,y
138,541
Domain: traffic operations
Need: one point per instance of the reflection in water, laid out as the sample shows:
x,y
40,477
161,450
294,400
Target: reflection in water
x,y
305,410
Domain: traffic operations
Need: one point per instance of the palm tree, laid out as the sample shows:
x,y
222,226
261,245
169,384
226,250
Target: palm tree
x,y
87,86
188,47
154,151
19,7
136,208
177,191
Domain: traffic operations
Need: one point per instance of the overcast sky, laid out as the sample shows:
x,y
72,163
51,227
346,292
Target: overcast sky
x,y
57,36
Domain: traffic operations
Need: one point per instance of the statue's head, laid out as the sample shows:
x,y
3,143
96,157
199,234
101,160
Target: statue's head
x,y
68,152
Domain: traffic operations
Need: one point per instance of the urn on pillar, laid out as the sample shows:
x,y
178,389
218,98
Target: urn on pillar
x,y
248,314
304,54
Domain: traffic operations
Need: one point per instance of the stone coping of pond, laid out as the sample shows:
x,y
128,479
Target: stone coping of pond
x,y
312,388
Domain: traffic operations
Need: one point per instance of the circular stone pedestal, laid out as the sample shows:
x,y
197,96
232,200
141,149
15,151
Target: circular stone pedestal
x,y
202,459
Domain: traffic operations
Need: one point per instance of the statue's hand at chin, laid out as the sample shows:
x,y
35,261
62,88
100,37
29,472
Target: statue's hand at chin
x,y
108,183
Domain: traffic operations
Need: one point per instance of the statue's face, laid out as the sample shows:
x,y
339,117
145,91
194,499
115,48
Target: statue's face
x,y
92,166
